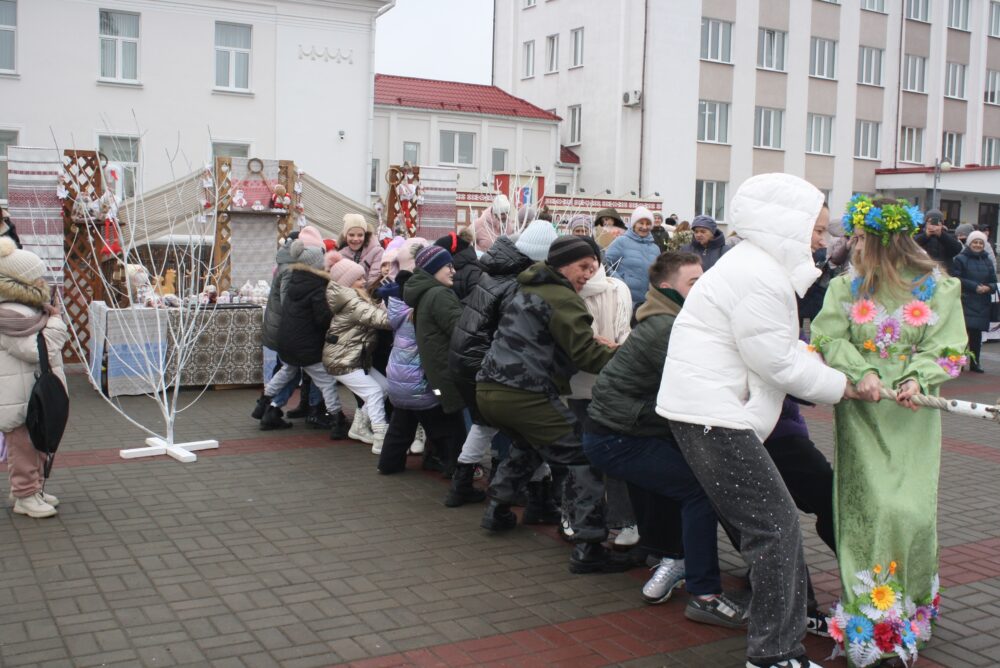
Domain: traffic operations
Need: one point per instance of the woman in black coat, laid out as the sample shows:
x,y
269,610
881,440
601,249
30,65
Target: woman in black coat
x,y
974,268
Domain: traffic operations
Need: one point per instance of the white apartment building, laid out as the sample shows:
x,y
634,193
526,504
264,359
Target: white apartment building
x,y
141,79
688,99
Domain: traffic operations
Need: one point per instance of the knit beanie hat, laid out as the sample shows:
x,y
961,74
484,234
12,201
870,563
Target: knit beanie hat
x,y
500,205
536,239
704,221
310,236
343,271
310,255
977,235
407,258
964,230
641,213
21,265
581,220
329,244
432,258
568,249
352,220
934,215
452,243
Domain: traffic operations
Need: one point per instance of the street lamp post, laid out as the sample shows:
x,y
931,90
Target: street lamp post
x,y
939,166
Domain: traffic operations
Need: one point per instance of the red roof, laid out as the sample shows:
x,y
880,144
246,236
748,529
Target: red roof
x,y
568,157
453,96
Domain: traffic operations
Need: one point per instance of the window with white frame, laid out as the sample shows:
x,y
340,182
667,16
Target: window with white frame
x,y
119,35
870,65
552,53
713,121
411,152
229,149
499,160
994,19
958,14
716,40
767,127
528,60
232,56
991,152
823,58
710,199
123,150
873,5
866,143
918,10
373,178
575,118
577,39
951,148
8,35
7,138
819,134
954,81
914,73
562,188
529,3
991,88
457,148
771,49
911,145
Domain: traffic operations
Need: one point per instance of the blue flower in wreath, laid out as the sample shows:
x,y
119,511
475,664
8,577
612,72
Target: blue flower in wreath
x,y
916,215
873,220
907,636
859,629
925,289
856,286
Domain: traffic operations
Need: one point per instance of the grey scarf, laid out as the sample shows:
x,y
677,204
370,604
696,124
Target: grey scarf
x,y
13,323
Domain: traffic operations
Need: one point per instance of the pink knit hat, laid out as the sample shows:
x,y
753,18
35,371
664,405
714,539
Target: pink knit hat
x,y
407,258
310,236
343,271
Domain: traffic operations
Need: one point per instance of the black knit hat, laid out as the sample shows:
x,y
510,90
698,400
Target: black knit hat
x,y
567,249
452,243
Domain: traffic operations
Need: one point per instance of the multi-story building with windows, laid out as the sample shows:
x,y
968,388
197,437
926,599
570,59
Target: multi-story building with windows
x,y
688,99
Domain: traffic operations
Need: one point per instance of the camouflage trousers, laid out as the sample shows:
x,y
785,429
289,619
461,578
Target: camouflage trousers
x,y
544,430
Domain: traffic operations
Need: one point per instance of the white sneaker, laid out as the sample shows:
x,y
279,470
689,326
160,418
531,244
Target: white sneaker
x,y
801,662
50,499
378,437
669,575
627,537
417,447
361,427
33,506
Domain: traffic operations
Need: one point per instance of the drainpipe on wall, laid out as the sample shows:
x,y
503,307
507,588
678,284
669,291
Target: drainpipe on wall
x,y
899,82
642,100
371,94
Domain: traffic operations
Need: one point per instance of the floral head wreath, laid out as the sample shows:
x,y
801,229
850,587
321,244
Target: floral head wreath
x,y
882,221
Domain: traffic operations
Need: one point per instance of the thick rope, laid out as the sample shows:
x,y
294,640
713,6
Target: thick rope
x,y
918,399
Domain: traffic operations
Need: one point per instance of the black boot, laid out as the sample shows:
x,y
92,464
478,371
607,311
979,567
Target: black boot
x,y
341,425
541,508
273,420
319,418
262,403
302,410
462,491
498,517
595,558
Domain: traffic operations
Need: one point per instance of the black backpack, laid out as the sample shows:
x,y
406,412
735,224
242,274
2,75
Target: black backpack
x,y
48,408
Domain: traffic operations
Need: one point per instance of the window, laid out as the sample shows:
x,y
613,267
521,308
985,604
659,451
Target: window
x,y
866,139
232,56
991,153
914,71
562,189
716,40
222,149
958,14
954,81
552,53
870,66
499,161
710,199
7,138
411,152
575,134
528,60
823,58
457,147
911,145
918,10
991,89
994,19
767,127
373,180
873,5
119,46
125,152
819,134
951,148
771,49
8,34
713,122
577,37
529,3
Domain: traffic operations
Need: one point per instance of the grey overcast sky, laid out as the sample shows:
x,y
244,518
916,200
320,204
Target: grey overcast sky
x,y
436,39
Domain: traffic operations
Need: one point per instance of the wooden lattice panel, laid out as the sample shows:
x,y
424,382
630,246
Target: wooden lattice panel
x,y
223,230
286,176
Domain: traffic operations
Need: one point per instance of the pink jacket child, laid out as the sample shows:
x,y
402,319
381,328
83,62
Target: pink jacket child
x,y
358,243
494,223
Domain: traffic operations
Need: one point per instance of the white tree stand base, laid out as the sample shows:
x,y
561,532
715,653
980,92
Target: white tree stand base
x,y
180,451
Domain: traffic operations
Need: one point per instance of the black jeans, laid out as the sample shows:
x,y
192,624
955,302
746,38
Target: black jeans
x,y
809,479
975,346
445,430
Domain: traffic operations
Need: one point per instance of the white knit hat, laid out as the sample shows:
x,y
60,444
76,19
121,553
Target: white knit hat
x,y
640,213
21,265
500,204
536,239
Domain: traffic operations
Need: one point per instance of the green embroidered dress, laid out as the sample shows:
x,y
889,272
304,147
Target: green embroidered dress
x,y
887,460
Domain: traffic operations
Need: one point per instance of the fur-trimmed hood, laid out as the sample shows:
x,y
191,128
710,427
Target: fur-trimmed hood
x,y
13,290
299,266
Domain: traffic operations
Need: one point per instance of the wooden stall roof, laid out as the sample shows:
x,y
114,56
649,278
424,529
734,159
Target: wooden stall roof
x,y
325,207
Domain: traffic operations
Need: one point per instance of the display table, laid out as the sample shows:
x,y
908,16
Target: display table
x,y
129,348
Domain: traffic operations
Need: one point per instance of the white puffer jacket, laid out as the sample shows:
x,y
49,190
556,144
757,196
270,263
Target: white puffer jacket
x,y
734,349
19,362
609,301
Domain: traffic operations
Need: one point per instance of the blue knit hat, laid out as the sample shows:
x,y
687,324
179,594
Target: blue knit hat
x,y
704,221
432,258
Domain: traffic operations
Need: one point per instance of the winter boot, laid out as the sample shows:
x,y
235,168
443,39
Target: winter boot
x,y
595,558
541,508
318,417
378,437
498,517
273,420
338,432
34,506
419,441
302,410
262,403
361,428
462,491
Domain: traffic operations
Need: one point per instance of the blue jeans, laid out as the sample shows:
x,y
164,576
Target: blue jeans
x,y
657,466
315,396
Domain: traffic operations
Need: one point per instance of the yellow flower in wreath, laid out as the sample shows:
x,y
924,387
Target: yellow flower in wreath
x,y
869,345
883,597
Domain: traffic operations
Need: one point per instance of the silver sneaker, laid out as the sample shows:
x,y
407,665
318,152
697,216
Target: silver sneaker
x,y
719,610
669,575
